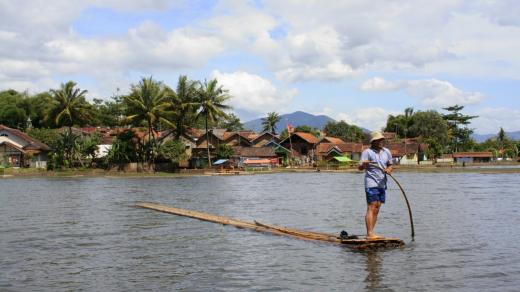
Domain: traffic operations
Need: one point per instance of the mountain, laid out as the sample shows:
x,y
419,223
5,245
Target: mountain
x,y
298,118
483,137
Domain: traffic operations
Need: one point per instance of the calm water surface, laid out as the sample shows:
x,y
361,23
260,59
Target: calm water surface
x,y
85,234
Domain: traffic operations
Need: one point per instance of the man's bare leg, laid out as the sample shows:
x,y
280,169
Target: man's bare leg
x,y
371,218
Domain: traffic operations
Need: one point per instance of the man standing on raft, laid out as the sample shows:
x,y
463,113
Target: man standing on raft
x,y
375,179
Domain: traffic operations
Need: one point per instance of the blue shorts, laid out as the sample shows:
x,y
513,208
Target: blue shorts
x,y
375,194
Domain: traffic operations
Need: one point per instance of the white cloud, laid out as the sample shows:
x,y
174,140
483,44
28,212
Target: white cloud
x,y
490,120
379,84
431,92
253,93
439,93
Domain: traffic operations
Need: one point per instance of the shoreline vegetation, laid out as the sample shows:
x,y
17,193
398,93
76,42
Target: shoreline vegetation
x,y
194,126
32,173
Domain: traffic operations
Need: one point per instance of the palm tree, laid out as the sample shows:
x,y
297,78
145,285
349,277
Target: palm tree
x,y
211,98
68,108
270,122
184,100
149,102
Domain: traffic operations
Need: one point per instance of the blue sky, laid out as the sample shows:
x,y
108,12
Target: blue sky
x,y
357,61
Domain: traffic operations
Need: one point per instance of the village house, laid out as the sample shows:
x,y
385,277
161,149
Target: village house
x,y
303,147
255,156
264,138
407,153
330,147
240,138
472,157
18,149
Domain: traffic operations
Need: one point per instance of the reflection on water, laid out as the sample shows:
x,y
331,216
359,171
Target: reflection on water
x,y
373,278
86,234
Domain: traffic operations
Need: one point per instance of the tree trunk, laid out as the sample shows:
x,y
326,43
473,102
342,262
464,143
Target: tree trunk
x,y
207,141
151,143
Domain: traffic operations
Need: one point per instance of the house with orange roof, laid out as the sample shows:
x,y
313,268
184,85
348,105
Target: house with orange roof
x,y
18,149
303,146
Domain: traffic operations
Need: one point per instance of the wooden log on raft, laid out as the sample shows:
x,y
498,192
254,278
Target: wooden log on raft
x,y
359,243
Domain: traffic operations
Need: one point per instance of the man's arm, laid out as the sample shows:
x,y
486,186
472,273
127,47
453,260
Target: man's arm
x,y
389,166
363,161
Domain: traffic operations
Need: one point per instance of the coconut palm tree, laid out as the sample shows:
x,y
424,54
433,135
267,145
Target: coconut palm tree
x,y
211,98
184,100
150,103
68,108
269,122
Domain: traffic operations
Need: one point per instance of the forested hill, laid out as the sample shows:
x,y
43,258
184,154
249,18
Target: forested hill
x,y
298,118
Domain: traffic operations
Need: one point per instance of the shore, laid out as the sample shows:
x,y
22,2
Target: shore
x,y
31,172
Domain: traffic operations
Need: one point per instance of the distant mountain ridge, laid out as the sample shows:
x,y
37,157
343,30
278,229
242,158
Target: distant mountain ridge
x,y
295,119
483,137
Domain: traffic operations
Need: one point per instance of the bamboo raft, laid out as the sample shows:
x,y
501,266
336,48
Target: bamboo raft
x,y
357,243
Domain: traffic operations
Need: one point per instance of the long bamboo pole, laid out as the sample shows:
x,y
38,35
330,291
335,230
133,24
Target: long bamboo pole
x,y
277,230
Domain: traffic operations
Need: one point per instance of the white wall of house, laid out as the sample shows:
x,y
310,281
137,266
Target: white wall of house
x,y
39,160
410,159
102,150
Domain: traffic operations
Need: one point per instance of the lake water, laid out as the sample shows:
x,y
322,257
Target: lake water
x,y
85,234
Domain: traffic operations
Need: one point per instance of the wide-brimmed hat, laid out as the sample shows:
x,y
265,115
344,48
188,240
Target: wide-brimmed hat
x,y
376,136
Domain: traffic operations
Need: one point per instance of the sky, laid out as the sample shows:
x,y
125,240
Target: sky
x,y
353,60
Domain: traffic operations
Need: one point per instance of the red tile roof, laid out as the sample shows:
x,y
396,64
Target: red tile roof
x,y
309,138
333,140
32,144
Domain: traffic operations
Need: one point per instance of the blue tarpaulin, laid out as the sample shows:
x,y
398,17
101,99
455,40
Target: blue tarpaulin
x,y
220,161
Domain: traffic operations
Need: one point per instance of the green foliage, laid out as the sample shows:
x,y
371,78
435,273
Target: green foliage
x,y
308,129
231,123
185,105
69,107
211,98
88,146
269,122
109,113
123,150
149,103
458,131
47,136
429,125
14,109
401,124
173,150
501,146
40,105
348,133
224,151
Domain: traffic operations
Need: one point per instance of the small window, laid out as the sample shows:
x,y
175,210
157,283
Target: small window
x,y
4,135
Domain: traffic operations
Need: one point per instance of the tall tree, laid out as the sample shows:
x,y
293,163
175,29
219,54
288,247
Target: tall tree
x,y
211,97
341,129
69,108
13,109
269,122
459,132
401,124
231,123
149,103
185,104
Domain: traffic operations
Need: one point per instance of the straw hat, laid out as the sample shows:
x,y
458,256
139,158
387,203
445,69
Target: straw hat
x,y
376,136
